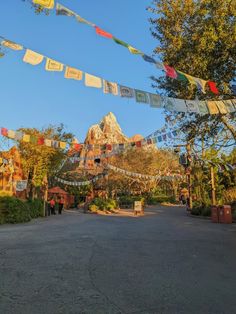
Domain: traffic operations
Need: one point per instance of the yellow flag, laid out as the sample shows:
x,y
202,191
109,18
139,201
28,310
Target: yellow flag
x,y
48,142
11,134
48,4
221,107
62,145
93,81
11,45
52,65
135,51
213,109
72,73
26,138
32,57
190,79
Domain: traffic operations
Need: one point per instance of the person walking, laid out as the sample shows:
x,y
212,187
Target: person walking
x,y
61,204
52,207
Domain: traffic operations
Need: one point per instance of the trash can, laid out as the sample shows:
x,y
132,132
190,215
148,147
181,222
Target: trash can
x,y
225,214
214,213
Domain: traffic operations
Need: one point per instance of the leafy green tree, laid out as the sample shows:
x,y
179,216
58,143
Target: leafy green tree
x,y
40,161
199,38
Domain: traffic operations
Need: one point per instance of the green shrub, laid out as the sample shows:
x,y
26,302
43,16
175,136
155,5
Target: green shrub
x,y
234,215
104,204
157,199
93,208
206,211
13,210
36,208
128,201
196,211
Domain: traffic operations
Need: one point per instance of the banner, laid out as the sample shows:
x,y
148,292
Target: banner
x,y
155,101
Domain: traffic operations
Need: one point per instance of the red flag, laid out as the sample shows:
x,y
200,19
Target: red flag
x,y
4,131
213,87
101,32
77,147
138,144
108,147
170,71
40,140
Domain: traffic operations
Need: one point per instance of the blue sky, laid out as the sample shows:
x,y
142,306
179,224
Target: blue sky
x,y
33,97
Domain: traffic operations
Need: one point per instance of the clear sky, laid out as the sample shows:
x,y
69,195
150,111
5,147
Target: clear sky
x,y
33,97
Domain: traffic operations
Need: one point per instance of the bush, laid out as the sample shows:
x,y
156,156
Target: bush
x,y
93,208
196,211
36,208
234,215
103,204
157,199
13,210
206,211
128,201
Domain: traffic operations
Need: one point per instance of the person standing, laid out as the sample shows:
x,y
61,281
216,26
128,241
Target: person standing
x,y
52,207
61,204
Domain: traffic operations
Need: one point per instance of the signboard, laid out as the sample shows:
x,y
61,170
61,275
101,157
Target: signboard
x,y
138,207
21,185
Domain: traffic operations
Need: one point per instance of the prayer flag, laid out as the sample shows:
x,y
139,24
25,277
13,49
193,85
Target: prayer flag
x,y
229,105
160,65
11,45
213,109
110,88
201,84
32,57
82,20
191,79
149,141
174,104
48,4
138,144
135,51
48,142
72,73
141,96
120,42
148,59
93,81
192,106
221,107
11,134
126,92
33,139
61,10
52,65
103,33
213,87
202,106
108,147
155,100
77,146
18,135
62,145
170,71
40,140
26,138
4,131
181,76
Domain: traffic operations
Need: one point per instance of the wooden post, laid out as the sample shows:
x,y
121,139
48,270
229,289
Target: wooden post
x,y
213,189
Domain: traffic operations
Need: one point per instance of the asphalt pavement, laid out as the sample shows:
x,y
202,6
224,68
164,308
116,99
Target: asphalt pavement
x,y
164,262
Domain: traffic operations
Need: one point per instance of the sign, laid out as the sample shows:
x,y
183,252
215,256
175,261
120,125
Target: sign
x,y
138,207
21,185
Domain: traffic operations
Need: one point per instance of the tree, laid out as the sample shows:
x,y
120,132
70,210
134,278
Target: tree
x,y
40,161
199,38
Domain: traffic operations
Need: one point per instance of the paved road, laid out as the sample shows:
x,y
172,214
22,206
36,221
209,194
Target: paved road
x,y
164,262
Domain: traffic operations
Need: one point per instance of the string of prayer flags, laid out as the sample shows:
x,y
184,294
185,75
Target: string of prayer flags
x,y
93,81
155,101
47,4
11,45
170,71
52,65
72,73
32,57
80,183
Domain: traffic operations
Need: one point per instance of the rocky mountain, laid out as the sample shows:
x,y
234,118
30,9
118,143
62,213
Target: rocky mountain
x,y
107,131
